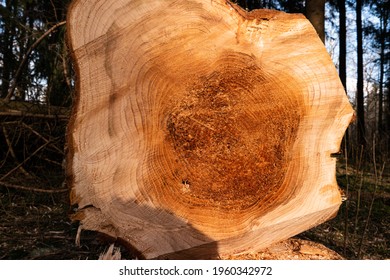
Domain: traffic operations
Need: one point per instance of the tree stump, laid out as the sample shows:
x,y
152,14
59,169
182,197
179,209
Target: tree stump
x,y
201,129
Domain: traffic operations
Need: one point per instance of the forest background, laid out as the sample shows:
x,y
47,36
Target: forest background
x,y
37,89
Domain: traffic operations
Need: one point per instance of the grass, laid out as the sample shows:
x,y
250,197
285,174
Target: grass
x,y
361,229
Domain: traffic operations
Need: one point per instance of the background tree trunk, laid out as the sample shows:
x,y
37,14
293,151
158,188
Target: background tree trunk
x,y
201,129
342,43
315,13
382,37
7,43
361,131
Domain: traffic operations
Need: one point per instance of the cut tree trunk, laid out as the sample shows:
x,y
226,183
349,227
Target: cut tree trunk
x,y
201,129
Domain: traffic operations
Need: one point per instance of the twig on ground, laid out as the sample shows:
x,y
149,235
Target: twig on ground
x,y
31,189
12,152
34,115
42,137
27,159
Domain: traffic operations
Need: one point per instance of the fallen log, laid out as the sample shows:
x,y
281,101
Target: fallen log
x,y
201,129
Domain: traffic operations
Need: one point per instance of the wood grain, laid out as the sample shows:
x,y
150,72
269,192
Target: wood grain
x,y
200,125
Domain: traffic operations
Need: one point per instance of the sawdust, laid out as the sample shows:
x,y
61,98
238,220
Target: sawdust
x,y
290,249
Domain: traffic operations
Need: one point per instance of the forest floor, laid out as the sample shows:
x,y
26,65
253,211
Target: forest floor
x,y
361,230
36,225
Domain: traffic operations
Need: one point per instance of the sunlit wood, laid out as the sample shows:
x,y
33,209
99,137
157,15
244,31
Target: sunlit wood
x,y
201,129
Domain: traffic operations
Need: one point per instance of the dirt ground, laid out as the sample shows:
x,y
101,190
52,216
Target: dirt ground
x,y
36,225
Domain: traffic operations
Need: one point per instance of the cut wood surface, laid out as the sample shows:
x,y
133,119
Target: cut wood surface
x,y
201,129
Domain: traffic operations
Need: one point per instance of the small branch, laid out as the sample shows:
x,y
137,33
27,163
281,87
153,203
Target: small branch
x,y
53,162
65,67
24,60
42,137
33,115
54,10
12,152
359,254
347,202
31,189
27,159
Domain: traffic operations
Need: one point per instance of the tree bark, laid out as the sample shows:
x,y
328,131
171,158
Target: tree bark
x,y
8,59
382,37
361,131
201,129
315,13
342,43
